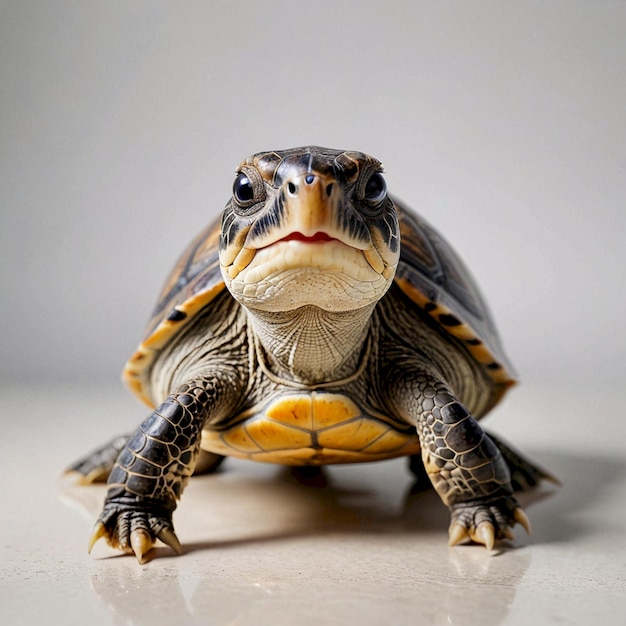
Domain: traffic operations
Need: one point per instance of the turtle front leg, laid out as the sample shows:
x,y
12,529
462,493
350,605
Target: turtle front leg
x,y
152,470
465,467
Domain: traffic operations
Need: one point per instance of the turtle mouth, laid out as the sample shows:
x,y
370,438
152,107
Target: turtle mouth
x,y
246,254
296,271
299,251
318,237
372,257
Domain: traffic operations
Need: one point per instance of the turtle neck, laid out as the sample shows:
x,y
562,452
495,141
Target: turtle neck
x,y
310,345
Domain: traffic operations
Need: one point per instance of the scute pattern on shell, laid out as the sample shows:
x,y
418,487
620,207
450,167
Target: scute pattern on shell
x,y
196,271
436,280
194,282
313,428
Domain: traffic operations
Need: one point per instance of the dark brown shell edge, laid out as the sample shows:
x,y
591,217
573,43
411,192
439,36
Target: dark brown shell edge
x,y
194,282
433,276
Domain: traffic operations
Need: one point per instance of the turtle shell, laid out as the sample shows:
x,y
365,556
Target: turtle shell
x,y
194,282
433,276
429,272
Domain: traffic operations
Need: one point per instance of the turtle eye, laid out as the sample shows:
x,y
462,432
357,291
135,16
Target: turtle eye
x,y
248,191
243,190
375,188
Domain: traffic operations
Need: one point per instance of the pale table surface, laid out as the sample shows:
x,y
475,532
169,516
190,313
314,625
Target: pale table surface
x,y
264,547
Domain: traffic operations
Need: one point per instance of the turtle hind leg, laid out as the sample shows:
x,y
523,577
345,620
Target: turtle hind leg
x,y
96,466
524,474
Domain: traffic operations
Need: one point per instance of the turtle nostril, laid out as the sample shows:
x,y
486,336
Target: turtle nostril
x,y
329,189
309,179
292,189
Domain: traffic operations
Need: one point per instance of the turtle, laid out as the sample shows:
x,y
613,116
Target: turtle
x,y
318,321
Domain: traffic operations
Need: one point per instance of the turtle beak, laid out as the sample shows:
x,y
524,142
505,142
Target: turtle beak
x,y
311,202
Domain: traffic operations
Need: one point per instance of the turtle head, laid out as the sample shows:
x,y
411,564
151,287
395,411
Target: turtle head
x,y
309,226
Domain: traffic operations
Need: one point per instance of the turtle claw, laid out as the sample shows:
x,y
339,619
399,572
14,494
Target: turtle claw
x,y
141,543
134,527
99,531
457,534
484,522
169,538
485,533
522,519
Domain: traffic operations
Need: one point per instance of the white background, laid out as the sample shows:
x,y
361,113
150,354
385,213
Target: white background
x,y
122,123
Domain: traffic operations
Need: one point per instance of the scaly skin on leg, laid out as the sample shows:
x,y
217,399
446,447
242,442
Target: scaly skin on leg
x,y
152,470
465,467
96,466
525,475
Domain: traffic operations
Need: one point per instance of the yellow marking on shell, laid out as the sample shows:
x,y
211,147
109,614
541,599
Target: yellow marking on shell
x,y
277,436
332,409
240,440
393,440
133,374
311,429
294,410
324,456
354,435
462,331
213,441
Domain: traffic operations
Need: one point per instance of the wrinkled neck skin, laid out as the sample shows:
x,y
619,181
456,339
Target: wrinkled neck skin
x,y
310,345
